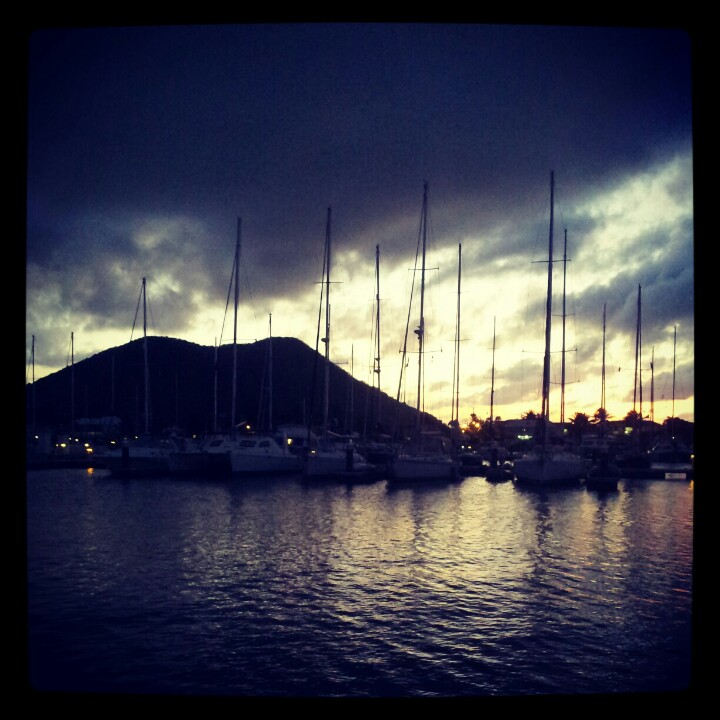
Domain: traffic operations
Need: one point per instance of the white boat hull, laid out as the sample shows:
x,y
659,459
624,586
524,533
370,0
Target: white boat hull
x,y
260,455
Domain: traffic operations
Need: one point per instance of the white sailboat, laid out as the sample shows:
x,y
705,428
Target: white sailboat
x,y
333,457
376,445
428,457
236,454
544,466
266,453
211,457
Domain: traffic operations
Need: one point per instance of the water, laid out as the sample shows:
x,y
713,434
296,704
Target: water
x,y
275,587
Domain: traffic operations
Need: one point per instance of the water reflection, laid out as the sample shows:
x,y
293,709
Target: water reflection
x,y
277,586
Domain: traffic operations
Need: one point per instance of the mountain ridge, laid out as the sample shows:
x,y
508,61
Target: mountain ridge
x,y
188,393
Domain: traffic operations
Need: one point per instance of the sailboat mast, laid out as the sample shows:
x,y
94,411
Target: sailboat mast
x,y
270,378
420,332
112,386
326,339
562,376
33,384
351,410
673,383
545,415
492,386
377,327
237,292
603,417
455,414
652,385
602,387
145,350
72,382
640,357
215,384
638,354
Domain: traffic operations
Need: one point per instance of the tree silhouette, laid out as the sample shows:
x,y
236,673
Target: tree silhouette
x,y
633,418
473,429
580,424
600,416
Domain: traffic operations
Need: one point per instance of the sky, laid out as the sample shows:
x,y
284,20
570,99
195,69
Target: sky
x,y
147,146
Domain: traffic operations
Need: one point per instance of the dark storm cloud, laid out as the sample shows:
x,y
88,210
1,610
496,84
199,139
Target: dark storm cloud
x,y
280,120
146,144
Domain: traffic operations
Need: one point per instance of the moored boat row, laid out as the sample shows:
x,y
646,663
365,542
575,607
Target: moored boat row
x,y
291,451
542,461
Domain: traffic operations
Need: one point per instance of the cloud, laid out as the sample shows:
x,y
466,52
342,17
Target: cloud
x,y
146,144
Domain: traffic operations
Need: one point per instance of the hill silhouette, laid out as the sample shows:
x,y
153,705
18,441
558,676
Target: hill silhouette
x,y
186,391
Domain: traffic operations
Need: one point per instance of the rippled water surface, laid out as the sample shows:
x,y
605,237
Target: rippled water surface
x,y
275,587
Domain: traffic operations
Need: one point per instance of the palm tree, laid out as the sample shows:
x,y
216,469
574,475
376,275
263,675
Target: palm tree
x,y
600,416
633,419
474,428
581,424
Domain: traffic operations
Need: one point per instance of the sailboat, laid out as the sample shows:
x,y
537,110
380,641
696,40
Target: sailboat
x,y
265,453
496,472
332,457
544,466
145,455
377,447
672,459
634,463
211,457
604,474
427,457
